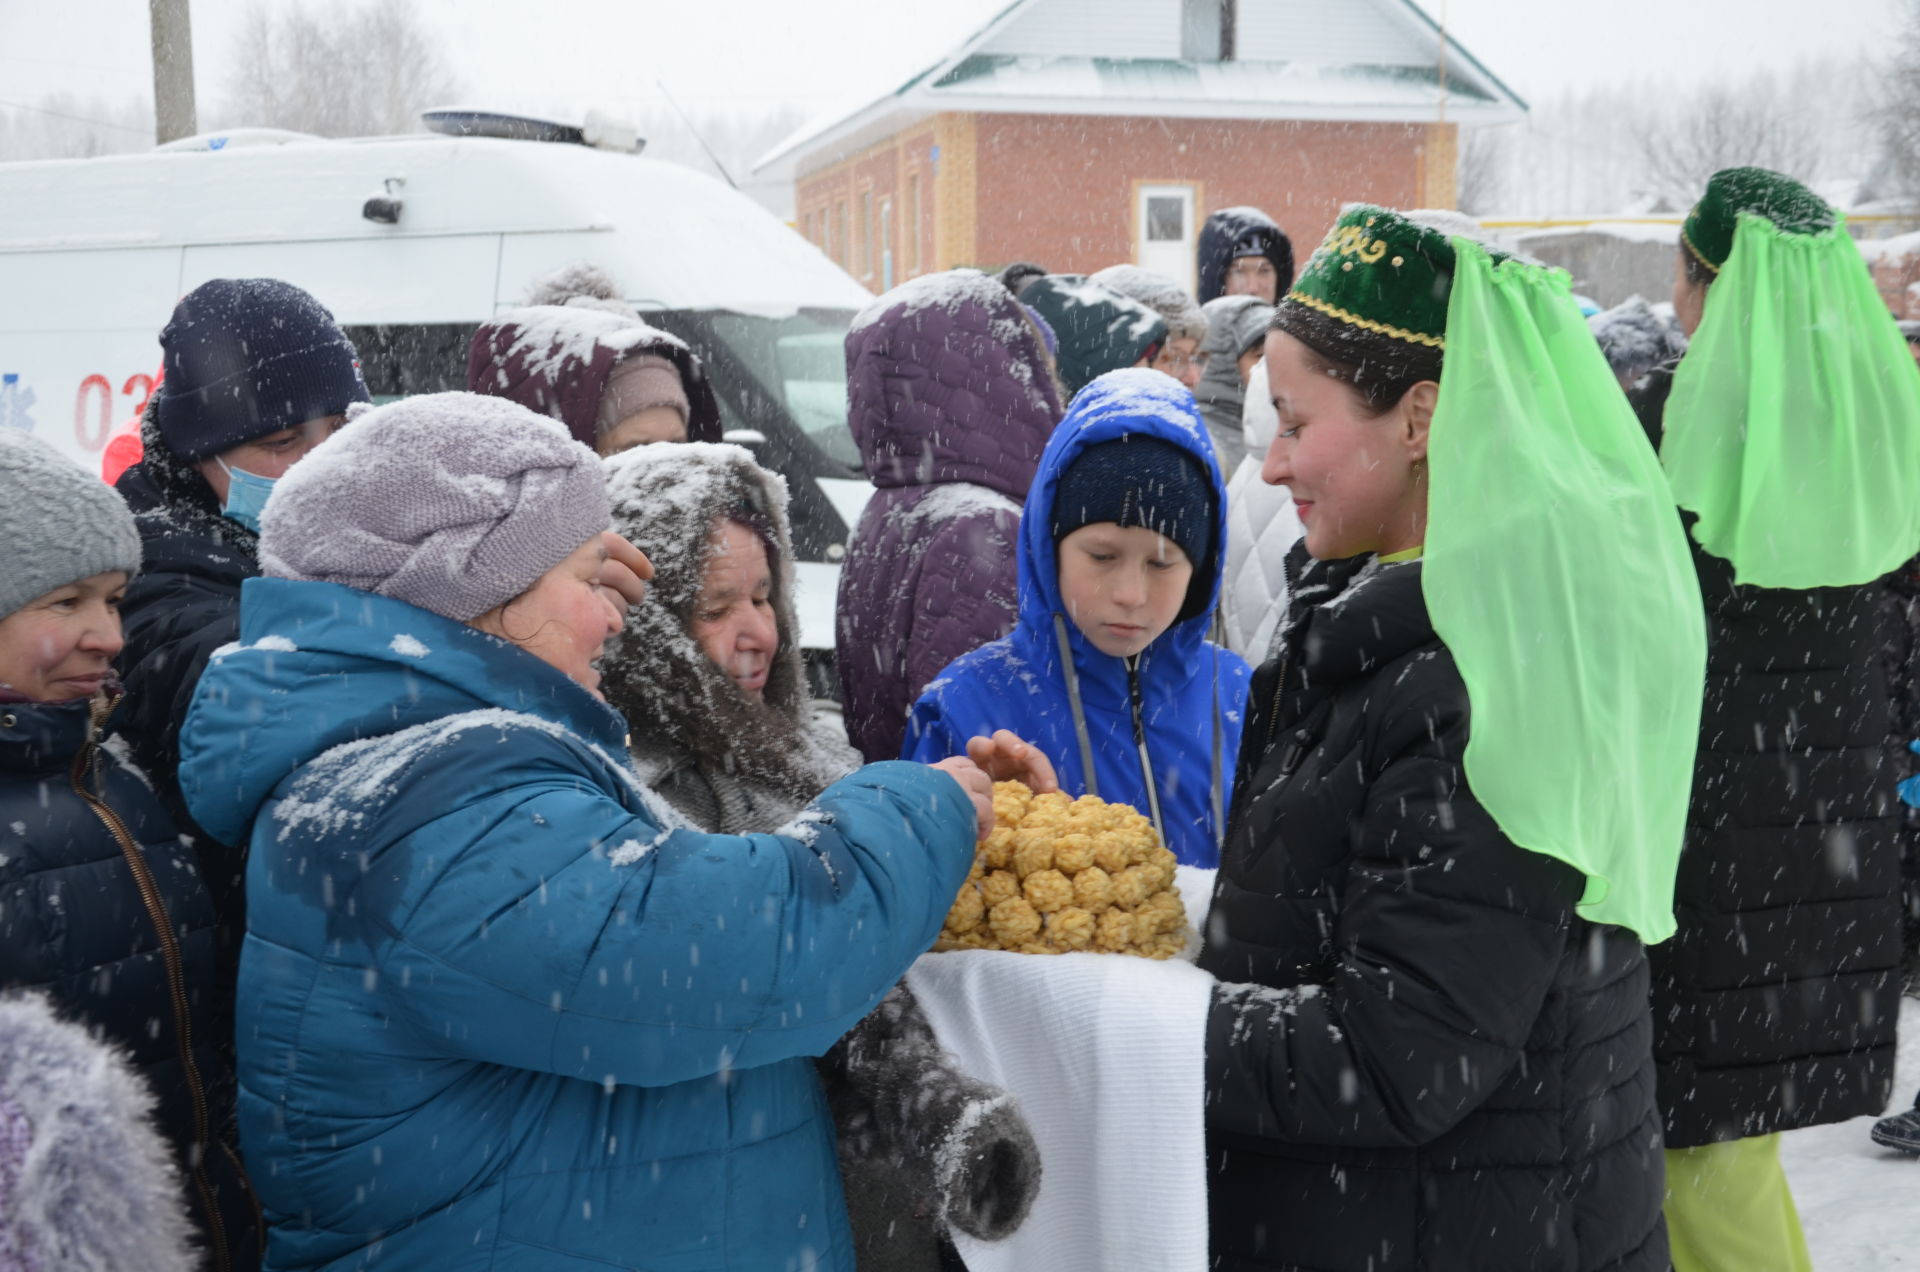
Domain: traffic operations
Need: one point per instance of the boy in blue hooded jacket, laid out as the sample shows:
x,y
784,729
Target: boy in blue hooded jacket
x,y
1108,669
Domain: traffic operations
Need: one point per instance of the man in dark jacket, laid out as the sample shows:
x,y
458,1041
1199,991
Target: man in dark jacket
x,y
1243,253
1776,1002
256,375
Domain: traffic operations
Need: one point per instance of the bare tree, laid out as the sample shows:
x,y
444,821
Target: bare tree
x,y
1897,111
63,126
354,72
1482,177
1755,121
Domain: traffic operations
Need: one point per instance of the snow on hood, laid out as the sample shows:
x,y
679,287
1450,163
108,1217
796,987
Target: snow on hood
x,y
1137,401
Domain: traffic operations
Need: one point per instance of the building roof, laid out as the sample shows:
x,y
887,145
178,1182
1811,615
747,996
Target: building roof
x,y
1366,60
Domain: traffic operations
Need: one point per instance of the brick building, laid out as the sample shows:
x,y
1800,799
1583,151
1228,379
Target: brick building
x,y
1081,133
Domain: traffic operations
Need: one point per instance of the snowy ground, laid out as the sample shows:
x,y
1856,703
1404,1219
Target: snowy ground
x,y
1860,1203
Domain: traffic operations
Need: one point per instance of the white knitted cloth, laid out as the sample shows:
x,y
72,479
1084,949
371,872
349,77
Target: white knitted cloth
x,y
1106,1054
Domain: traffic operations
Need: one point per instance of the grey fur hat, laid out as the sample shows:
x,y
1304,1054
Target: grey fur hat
x,y
1160,294
93,1184
454,502
59,522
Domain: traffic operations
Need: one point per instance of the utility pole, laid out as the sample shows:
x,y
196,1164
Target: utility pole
x,y
173,113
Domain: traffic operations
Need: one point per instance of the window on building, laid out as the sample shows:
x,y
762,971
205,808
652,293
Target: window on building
x,y
840,253
1206,30
866,234
913,225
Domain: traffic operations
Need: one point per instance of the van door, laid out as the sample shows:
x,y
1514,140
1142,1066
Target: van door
x,y
402,279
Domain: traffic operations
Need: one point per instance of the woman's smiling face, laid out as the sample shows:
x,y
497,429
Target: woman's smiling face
x,y
1358,479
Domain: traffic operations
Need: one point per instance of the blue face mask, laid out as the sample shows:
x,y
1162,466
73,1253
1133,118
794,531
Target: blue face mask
x,y
246,496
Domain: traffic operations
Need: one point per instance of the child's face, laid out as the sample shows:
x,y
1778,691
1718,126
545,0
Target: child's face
x,y
61,646
1122,586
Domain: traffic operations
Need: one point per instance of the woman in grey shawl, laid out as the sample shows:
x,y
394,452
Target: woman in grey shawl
x,y
709,676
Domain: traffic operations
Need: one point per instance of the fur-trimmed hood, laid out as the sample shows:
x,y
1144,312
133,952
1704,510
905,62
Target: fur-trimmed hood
x,y
86,1182
682,710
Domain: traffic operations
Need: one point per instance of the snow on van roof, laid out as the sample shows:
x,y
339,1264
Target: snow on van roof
x,y
678,238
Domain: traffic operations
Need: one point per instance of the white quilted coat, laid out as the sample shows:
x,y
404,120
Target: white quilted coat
x,y
1261,527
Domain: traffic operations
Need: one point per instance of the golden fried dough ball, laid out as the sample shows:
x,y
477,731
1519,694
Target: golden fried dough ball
x,y
1073,852
1048,890
1110,852
1032,850
1000,885
1130,887
1014,922
1093,889
1114,931
1072,928
997,848
1161,866
1165,946
969,908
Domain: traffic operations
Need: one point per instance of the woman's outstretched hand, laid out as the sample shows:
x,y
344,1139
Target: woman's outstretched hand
x,y
977,785
1008,759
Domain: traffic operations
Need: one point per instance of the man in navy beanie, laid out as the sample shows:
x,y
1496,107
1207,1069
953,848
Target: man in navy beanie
x,y
256,374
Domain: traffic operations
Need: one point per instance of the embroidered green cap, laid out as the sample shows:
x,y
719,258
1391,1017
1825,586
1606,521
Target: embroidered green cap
x,y
1793,209
1379,272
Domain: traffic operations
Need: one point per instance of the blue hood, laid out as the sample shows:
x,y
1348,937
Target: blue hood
x,y
1191,693
1140,403
319,665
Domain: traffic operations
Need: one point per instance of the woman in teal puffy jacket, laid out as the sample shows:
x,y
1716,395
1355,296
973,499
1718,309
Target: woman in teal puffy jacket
x,y
499,1008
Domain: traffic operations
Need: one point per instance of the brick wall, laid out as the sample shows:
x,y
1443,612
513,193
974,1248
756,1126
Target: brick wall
x,y
1060,189
1897,275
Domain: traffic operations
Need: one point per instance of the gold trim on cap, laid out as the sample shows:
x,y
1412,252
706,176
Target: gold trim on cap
x,y
1698,255
1366,324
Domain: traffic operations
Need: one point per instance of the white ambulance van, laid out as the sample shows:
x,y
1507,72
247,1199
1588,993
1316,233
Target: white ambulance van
x,y
412,242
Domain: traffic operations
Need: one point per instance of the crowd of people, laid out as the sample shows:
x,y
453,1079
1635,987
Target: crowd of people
x,y
421,845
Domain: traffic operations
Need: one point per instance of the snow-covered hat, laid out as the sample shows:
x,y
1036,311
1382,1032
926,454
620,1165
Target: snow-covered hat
x,y
1160,294
60,523
453,502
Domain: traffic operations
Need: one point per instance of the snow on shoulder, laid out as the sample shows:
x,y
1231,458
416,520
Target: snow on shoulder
x,y
340,790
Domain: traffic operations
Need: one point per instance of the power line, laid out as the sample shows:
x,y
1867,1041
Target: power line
x,y
78,119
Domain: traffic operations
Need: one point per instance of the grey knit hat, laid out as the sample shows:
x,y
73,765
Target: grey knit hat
x,y
453,502
60,523
1160,294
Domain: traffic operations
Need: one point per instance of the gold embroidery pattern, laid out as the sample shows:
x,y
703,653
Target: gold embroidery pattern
x,y
1366,324
1698,255
1351,240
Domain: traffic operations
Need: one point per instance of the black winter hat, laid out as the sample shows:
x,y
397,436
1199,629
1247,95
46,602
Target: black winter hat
x,y
1139,481
246,357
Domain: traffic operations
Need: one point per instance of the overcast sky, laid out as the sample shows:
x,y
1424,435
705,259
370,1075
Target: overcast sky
x,y
754,54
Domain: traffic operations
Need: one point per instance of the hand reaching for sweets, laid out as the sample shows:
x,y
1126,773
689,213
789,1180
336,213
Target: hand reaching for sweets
x,y
1006,758
977,785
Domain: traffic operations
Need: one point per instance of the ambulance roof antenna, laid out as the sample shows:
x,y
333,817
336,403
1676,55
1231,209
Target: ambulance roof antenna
x,y
662,84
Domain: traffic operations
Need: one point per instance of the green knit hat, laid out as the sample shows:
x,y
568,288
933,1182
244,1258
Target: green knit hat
x,y
1793,209
1379,272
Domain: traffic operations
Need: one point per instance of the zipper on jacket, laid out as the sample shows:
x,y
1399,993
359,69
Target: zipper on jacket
x,y
1279,691
1296,751
156,908
1140,741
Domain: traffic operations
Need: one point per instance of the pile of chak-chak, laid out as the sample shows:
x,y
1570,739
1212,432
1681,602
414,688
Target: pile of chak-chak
x,y
1059,875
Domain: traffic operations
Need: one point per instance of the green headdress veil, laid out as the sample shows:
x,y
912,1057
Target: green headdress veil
x,y
1793,428
1555,568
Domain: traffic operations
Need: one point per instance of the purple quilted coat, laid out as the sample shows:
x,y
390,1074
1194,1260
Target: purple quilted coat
x,y
951,397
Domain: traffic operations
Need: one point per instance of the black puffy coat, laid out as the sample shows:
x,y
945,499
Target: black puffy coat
x,y
1234,232
1419,1056
1776,1001
81,920
183,605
